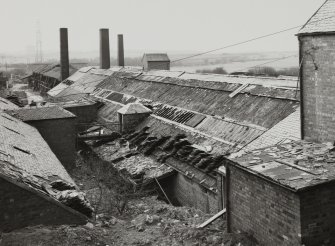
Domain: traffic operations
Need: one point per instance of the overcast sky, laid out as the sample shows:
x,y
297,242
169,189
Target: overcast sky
x,y
148,25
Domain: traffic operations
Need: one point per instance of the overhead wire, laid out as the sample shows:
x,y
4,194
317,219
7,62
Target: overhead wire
x,y
228,46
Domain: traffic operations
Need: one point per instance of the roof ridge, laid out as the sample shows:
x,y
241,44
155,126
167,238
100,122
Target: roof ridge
x,y
313,15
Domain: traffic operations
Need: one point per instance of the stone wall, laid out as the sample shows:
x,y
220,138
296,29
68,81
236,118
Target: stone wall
x,y
318,87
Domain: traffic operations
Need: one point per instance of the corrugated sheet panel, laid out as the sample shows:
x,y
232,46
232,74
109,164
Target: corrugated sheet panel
x,y
195,120
264,81
108,113
40,113
164,73
245,108
229,131
286,130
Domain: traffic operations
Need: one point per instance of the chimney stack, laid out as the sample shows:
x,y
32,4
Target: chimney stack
x,y
64,54
104,49
120,50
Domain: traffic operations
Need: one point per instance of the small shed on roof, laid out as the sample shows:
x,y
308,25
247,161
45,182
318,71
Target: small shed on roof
x,y
134,108
132,115
157,61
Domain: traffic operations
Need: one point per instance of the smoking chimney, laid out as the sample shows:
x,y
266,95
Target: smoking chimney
x,y
104,49
64,54
120,50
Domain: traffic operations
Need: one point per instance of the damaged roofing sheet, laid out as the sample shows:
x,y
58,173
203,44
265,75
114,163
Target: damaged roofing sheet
x,y
296,165
135,165
22,146
257,105
6,104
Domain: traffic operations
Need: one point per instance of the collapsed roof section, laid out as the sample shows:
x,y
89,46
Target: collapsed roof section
x,y
234,109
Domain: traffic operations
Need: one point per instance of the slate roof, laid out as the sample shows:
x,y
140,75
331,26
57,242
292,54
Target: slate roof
x,y
24,150
297,165
235,110
322,21
6,104
40,113
155,57
134,108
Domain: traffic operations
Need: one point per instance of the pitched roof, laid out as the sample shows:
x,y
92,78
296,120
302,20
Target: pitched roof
x,y
22,146
40,113
134,108
6,104
156,57
322,21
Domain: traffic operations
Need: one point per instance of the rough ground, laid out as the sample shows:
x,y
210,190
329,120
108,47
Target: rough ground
x,y
145,221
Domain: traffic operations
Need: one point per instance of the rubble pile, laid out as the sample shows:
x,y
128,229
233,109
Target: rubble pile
x,y
149,222
126,158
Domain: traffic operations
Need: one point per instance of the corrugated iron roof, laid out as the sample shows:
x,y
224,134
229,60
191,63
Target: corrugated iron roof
x,y
322,21
40,113
296,165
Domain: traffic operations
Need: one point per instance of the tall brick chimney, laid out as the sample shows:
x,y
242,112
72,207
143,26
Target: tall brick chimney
x,y
64,54
104,49
120,51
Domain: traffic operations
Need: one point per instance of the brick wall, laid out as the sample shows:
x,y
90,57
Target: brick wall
x,y
158,65
318,87
189,193
21,207
84,113
317,215
131,121
60,134
270,213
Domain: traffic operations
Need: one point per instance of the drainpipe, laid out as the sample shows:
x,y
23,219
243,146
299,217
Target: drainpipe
x,y
227,195
302,116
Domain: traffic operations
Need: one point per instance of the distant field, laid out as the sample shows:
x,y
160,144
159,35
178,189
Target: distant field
x,y
241,66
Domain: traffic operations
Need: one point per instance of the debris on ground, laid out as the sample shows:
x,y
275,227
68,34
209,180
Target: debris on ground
x,y
151,222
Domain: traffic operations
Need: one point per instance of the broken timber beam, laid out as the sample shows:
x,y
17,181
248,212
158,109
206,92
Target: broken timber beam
x,y
213,218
